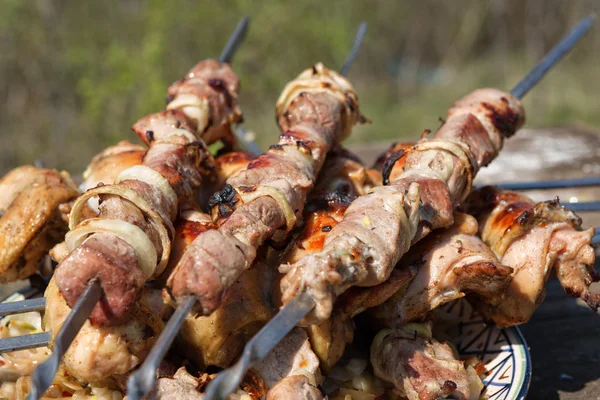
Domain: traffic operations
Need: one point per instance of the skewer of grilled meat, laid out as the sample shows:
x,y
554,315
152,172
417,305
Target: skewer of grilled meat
x,y
123,347
263,201
99,353
31,221
342,179
380,227
450,263
130,241
534,239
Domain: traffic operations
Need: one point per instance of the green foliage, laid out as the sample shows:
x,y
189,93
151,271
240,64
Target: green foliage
x,y
77,74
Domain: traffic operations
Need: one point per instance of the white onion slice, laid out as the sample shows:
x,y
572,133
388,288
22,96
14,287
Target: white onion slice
x,y
185,99
288,212
193,107
134,236
164,228
195,216
324,80
178,132
154,179
458,149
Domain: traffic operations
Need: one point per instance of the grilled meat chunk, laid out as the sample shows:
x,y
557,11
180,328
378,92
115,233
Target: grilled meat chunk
x,y
450,263
107,165
296,387
31,222
534,239
102,352
292,356
420,367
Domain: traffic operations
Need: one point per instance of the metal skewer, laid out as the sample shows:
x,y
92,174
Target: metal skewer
x,y
220,387
142,381
278,327
250,144
20,307
555,55
236,38
44,374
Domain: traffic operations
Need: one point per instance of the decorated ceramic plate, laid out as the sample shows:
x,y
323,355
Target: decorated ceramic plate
x,y
504,352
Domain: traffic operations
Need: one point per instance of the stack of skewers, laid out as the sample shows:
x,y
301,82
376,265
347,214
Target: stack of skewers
x,y
169,243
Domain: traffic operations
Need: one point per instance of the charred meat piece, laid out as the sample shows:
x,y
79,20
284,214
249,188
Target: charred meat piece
x,y
343,178
535,240
31,222
226,165
379,228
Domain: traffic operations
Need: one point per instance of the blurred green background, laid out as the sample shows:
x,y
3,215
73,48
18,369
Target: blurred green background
x,y
76,74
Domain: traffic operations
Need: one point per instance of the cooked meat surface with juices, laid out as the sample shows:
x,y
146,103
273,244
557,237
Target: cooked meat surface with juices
x,y
379,228
139,209
263,201
535,239
31,220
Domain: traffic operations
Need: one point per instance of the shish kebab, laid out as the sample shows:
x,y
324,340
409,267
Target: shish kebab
x,y
316,111
470,139
201,105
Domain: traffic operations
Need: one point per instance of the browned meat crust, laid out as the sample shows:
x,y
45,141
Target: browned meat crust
x,y
107,165
450,263
31,223
534,239
421,368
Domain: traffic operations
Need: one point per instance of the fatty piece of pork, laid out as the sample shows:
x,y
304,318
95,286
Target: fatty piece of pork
x,y
218,339
98,353
136,214
292,357
379,228
296,387
108,164
450,263
420,367
535,240
316,111
31,222
184,386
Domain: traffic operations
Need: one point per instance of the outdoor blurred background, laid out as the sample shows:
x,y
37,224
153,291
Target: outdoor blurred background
x,y
76,74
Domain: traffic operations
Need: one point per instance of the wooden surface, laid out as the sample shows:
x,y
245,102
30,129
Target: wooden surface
x,y
563,335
